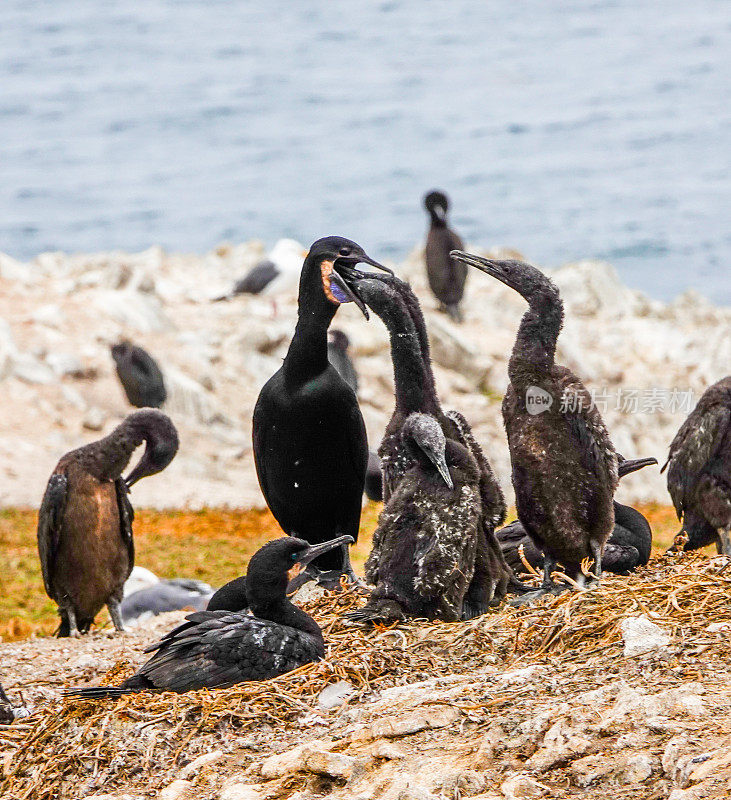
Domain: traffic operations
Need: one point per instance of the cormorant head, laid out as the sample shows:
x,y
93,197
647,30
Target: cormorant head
x,y
627,466
267,573
423,436
523,278
161,442
336,259
437,204
338,339
121,350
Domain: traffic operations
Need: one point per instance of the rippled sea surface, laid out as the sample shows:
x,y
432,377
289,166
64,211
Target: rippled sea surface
x,y
563,129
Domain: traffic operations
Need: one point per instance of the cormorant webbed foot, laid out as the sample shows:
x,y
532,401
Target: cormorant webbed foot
x,y
383,610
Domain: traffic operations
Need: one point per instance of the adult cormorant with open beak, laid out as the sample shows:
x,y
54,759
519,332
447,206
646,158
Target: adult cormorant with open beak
x,y
85,520
310,446
216,649
699,470
564,466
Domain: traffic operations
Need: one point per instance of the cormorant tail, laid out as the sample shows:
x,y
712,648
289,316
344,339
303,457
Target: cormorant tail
x,y
97,692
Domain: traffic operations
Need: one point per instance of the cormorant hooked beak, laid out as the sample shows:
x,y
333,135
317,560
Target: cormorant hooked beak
x,y
625,467
314,551
502,270
441,464
345,277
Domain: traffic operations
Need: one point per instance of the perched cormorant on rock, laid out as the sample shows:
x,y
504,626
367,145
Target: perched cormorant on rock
x,y
564,466
216,649
139,375
167,595
277,273
85,520
374,478
699,470
310,446
627,548
446,276
415,391
424,547
337,353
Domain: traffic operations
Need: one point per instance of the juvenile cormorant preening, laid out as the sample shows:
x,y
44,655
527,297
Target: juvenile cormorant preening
x,y
310,446
85,520
626,549
699,470
446,275
338,356
216,649
415,391
424,547
564,466
139,375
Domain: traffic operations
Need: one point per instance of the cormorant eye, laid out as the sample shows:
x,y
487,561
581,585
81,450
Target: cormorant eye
x,y
295,556
344,251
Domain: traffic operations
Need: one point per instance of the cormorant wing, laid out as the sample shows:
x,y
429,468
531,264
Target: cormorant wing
x,y
260,430
586,425
126,518
222,648
50,515
694,445
257,279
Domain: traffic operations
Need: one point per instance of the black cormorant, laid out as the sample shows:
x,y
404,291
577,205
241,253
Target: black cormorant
x,y
85,520
415,391
564,466
374,478
699,470
139,375
424,547
626,549
216,649
338,356
446,276
310,446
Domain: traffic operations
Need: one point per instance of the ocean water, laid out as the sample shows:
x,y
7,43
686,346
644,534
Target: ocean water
x,y
585,128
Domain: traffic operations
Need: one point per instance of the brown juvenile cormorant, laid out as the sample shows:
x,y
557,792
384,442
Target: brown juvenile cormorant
x,y
139,375
216,649
310,446
446,276
626,549
424,547
85,520
415,391
564,466
699,470
338,356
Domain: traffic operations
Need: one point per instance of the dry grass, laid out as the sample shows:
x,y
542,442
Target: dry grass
x,y
212,545
682,592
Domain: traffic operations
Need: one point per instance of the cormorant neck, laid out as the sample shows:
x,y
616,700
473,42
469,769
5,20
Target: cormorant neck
x,y
307,354
107,458
436,222
534,351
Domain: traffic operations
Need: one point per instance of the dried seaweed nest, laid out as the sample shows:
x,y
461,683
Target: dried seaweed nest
x,y
682,593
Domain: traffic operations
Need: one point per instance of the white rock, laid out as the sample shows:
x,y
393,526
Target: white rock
x,y
335,695
236,790
31,370
519,787
132,309
64,364
637,768
308,593
50,315
177,790
641,636
407,723
205,760
94,419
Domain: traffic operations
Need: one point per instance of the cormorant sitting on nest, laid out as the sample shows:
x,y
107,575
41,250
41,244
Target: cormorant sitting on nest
x,y
338,356
564,466
139,375
424,547
310,446
699,470
85,520
415,391
446,275
627,548
216,649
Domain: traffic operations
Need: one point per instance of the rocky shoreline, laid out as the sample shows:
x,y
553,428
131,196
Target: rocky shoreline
x,y
647,362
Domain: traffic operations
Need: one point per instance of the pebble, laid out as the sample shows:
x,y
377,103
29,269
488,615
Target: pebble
x,y
641,636
520,787
205,760
177,790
